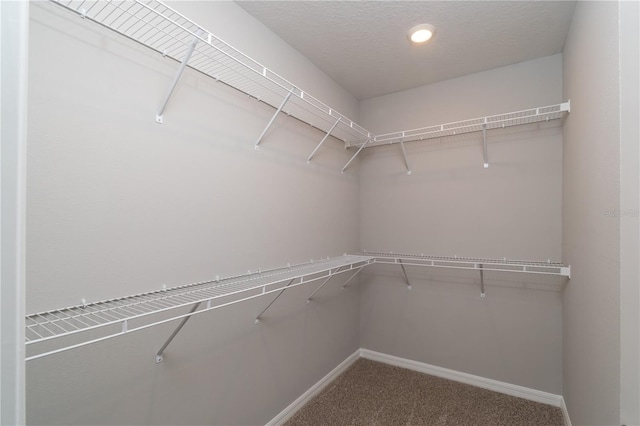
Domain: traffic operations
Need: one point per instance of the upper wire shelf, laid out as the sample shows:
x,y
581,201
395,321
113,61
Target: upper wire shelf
x,y
499,121
161,28
103,320
455,262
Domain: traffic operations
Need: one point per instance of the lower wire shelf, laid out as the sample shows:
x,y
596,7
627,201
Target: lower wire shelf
x,y
77,326
59,330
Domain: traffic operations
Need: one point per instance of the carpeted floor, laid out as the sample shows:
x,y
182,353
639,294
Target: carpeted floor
x,y
372,393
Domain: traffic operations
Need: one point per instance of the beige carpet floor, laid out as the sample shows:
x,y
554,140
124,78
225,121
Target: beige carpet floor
x,y
372,393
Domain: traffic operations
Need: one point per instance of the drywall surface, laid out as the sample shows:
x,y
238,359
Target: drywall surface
x,y
629,17
511,88
118,205
591,231
451,205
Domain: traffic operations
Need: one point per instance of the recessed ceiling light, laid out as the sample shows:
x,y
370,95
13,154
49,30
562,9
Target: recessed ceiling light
x,y
421,33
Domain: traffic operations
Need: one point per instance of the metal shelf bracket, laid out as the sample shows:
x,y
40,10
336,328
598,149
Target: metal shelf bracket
x,y
355,155
321,285
404,154
404,272
482,293
322,141
351,277
275,115
160,354
259,316
176,79
484,144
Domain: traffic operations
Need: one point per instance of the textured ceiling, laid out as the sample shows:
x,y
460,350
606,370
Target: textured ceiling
x,y
363,45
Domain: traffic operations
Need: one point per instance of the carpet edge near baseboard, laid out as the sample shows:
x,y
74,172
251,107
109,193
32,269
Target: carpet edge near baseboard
x,y
457,376
292,408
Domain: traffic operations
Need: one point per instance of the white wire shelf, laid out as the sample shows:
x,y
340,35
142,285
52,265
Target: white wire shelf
x,y
479,264
159,27
103,320
59,330
500,121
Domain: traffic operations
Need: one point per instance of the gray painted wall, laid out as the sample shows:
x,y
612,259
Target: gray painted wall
x,y
591,237
451,205
629,14
601,201
630,203
118,204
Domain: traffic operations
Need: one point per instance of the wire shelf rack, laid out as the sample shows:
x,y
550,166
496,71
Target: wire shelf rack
x,y
500,121
103,320
166,31
161,28
480,264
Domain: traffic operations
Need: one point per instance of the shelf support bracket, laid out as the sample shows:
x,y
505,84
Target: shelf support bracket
x,y
275,115
324,283
482,293
351,277
273,301
173,85
404,272
484,145
355,155
322,141
404,154
160,354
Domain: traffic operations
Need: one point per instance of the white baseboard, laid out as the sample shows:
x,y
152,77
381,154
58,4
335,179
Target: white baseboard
x,y
288,412
470,379
565,412
445,373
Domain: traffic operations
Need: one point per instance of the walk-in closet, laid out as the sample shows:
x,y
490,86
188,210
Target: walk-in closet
x,y
320,212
